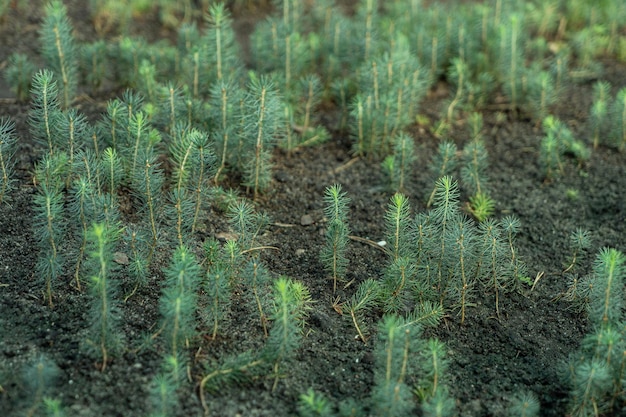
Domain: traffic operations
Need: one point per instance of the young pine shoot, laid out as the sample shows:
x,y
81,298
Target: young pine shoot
x,y
599,112
218,292
257,278
475,179
50,229
105,335
292,302
263,127
59,49
247,223
8,146
333,253
400,165
38,379
397,344
45,112
366,297
178,302
579,242
18,74
444,163
618,118
524,404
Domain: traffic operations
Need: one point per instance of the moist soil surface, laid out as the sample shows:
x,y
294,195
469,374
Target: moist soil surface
x,y
490,358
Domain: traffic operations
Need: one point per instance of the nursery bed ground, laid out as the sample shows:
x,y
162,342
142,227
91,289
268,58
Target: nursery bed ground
x,y
490,359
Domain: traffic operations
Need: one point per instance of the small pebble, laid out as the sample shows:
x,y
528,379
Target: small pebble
x,y
306,220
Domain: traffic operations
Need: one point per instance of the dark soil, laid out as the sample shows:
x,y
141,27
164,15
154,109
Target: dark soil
x,y
490,359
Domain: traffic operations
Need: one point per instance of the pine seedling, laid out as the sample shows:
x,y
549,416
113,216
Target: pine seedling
x,y
115,125
365,128
110,166
433,365
524,404
618,120
458,75
45,113
475,166
464,239
397,224
302,119
178,301
439,405
38,377
511,66
491,257
579,242
333,254
218,292
246,223
51,170
94,63
383,105
444,163
313,404
82,210
225,98
481,206
607,296
138,267
129,53
511,226
59,49
559,141
292,302
53,407
73,126
541,92
202,170
142,138
599,113
162,395
49,227
236,368
475,179
396,285
149,87
444,216
397,344
105,336
551,156
221,51
399,165
8,147
18,74
263,128
190,158
366,297
147,186
256,277
591,382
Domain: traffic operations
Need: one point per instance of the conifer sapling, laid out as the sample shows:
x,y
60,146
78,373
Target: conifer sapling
x,y
333,253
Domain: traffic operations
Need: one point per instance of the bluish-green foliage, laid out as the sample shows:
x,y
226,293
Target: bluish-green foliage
x,y
60,50
18,74
45,111
105,337
178,303
596,372
263,127
333,253
8,146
